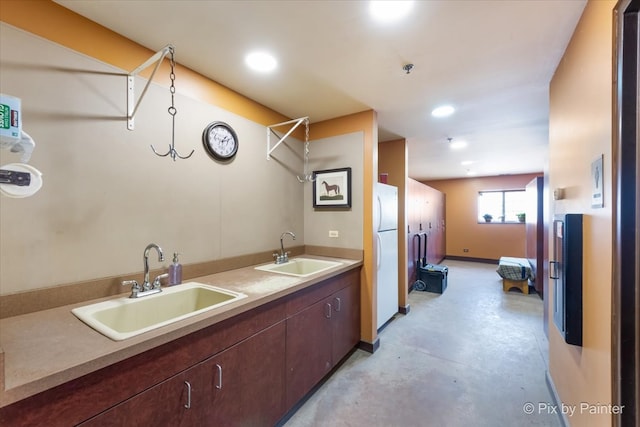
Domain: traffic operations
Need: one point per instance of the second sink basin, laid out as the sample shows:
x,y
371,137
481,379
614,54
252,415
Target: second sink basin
x,y
124,317
300,266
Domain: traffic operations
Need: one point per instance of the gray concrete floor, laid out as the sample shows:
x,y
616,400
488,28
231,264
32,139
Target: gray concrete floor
x,y
473,356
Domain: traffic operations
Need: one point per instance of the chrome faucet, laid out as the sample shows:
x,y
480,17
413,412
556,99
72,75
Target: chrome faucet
x,y
147,288
283,256
146,285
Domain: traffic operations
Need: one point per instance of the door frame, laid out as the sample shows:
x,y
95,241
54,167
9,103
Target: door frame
x,y
626,207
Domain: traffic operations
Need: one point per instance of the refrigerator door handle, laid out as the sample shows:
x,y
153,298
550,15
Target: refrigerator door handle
x,y
379,225
379,254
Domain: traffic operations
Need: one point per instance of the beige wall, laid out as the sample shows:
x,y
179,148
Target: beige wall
x,y
483,240
580,131
334,153
106,195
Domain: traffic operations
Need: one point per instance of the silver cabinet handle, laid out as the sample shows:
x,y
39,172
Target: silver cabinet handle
x,y
338,303
219,385
188,405
327,311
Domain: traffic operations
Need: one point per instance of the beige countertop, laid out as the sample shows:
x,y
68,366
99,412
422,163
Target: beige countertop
x,y
50,347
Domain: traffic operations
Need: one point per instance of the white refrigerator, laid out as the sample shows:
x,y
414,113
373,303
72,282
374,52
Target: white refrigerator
x,y
386,224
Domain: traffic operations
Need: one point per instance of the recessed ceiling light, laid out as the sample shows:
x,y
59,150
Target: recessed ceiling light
x,y
443,111
389,11
456,145
261,61
466,162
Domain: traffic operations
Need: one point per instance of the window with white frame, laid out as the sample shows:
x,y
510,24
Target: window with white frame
x,y
501,206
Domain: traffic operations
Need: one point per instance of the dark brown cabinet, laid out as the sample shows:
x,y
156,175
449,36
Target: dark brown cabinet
x,y
178,401
218,391
319,336
247,370
309,352
346,321
425,216
248,381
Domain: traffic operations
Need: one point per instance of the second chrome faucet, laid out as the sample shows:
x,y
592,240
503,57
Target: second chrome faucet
x,y
283,256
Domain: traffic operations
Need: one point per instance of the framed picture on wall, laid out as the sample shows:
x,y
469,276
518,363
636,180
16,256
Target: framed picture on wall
x,y
332,188
597,200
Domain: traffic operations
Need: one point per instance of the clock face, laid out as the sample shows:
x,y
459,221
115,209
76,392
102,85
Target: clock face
x,y
220,141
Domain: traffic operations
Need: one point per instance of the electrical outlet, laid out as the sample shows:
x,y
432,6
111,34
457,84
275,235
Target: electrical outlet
x,y
334,233
465,250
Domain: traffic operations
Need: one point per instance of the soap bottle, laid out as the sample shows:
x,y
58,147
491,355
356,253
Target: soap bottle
x,y
175,271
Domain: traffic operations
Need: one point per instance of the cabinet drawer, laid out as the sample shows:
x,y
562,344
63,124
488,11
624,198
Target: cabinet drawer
x,y
309,296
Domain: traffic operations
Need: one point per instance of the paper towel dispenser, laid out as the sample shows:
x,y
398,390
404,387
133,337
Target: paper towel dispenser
x,y
565,270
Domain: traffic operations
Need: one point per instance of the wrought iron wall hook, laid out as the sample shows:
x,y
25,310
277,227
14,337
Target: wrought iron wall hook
x,y
172,112
132,106
173,153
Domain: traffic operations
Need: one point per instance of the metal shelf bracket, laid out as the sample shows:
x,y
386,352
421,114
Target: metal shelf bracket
x,y
132,106
306,177
270,131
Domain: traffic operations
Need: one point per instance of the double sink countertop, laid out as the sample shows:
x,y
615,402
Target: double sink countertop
x,y
51,347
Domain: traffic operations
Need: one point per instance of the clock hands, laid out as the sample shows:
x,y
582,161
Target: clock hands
x,y
224,143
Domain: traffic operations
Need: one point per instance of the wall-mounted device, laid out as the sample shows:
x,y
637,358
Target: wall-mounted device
x,y
558,194
566,272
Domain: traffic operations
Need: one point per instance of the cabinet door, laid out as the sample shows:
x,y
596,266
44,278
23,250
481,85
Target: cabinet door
x,y
247,381
309,350
243,385
177,401
345,318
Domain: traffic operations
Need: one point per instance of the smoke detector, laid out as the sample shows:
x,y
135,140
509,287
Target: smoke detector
x,y
407,68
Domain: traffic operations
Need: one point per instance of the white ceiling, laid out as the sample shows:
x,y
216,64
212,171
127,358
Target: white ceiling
x,y
492,59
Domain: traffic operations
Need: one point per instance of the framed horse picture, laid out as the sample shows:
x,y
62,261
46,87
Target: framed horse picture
x,y
332,188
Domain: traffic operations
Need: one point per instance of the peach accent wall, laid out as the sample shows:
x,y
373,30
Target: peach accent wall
x,y
393,160
484,241
581,130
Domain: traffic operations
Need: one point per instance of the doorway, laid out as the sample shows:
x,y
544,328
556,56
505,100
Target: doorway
x,y
626,297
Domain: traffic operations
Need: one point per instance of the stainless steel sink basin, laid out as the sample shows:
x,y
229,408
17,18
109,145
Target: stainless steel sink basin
x,y
300,266
123,318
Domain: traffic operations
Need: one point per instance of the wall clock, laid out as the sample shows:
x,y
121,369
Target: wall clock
x,y
220,141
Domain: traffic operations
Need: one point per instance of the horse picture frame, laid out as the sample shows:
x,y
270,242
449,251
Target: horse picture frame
x,y
332,188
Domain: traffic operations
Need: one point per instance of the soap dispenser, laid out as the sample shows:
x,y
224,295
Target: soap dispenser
x,y
175,271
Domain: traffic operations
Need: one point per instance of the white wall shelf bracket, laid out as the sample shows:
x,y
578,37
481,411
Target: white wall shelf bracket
x,y
306,177
296,122
132,106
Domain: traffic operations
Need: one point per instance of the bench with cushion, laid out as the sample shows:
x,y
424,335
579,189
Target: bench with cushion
x,y
515,272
